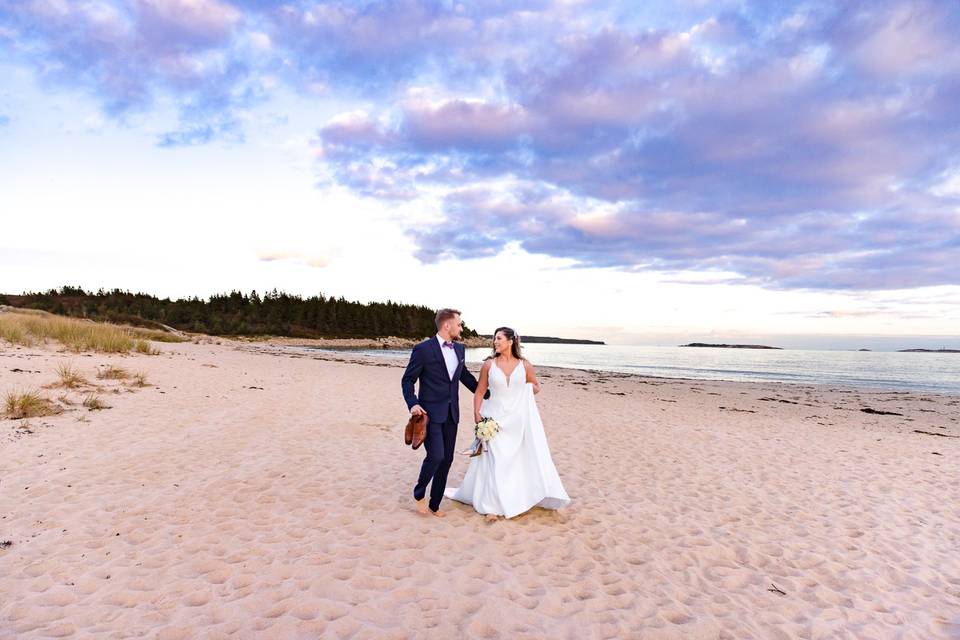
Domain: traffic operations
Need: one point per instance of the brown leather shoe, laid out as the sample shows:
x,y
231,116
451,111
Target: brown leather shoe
x,y
416,430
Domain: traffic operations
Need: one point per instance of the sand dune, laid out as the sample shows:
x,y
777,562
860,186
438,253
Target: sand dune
x,y
255,493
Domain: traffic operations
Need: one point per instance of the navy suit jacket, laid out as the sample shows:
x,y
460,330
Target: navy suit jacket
x,y
438,394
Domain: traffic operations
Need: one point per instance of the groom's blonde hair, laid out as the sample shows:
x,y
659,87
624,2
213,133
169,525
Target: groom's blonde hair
x,y
445,314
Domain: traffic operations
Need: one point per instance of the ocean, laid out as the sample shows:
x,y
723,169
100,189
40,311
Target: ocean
x,y
933,372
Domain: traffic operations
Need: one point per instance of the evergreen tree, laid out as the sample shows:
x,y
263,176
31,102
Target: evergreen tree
x,y
237,313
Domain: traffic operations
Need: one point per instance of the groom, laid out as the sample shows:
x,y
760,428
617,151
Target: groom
x,y
438,364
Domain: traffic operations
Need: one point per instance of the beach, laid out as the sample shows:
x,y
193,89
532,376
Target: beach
x,y
254,492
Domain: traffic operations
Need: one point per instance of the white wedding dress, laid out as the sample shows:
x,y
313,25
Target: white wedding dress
x,y
515,471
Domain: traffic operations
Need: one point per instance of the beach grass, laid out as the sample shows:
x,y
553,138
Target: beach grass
x,y
94,403
111,372
139,380
28,327
69,376
142,346
155,335
28,404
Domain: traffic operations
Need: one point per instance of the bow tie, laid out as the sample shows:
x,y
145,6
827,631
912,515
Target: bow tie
x,y
448,344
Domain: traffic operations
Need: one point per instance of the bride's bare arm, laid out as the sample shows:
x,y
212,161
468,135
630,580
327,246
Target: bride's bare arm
x,y
482,385
532,376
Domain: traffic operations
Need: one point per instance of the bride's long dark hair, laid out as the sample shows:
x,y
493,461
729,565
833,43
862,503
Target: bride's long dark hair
x,y
509,334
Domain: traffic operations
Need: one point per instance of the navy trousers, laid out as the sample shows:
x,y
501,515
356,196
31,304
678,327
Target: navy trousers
x,y
439,444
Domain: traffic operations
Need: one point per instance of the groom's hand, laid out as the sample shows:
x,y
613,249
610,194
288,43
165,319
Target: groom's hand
x,y
417,410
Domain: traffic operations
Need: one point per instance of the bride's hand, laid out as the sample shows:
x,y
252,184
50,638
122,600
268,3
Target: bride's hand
x,y
477,417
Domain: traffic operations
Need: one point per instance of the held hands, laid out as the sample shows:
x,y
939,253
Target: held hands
x,y
417,410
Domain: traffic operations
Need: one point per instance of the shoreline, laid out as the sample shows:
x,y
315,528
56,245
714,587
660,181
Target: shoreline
x,y
400,354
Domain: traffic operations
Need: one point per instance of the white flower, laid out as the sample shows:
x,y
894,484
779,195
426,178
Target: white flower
x,y
486,429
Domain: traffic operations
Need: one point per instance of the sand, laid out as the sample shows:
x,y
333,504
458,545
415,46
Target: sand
x,y
254,493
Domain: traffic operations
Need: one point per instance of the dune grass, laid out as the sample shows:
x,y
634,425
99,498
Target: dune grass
x,y
69,377
29,327
94,403
155,335
142,346
28,404
139,380
111,372
15,333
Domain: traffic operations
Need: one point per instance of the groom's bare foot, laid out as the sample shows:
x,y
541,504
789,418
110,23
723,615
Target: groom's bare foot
x,y
439,514
421,507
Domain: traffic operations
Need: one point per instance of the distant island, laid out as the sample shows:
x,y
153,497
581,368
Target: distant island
x,y
729,346
929,351
550,340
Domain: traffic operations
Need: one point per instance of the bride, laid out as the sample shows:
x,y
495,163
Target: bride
x,y
515,471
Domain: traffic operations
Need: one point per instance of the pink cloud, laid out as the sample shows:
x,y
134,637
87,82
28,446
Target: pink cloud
x,y
464,123
169,24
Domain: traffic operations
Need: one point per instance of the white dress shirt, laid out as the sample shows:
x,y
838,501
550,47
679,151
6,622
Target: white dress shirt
x,y
449,357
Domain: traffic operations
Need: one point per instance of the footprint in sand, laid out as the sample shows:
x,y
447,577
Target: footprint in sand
x,y
677,617
197,598
308,611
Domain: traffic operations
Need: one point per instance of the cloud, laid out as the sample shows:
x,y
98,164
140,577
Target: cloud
x,y
273,256
802,162
216,58
316,261
807,145
186,24
198,134
131,55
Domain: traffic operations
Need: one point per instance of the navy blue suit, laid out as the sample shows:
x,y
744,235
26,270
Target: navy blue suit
x,y
439,396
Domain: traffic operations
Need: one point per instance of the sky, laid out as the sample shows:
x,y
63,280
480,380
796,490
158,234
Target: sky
x,y
640,173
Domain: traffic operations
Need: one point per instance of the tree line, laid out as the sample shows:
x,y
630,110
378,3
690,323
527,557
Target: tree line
x,y
273,313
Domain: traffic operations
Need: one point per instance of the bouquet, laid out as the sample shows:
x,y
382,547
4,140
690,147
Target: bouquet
x,y
485,430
